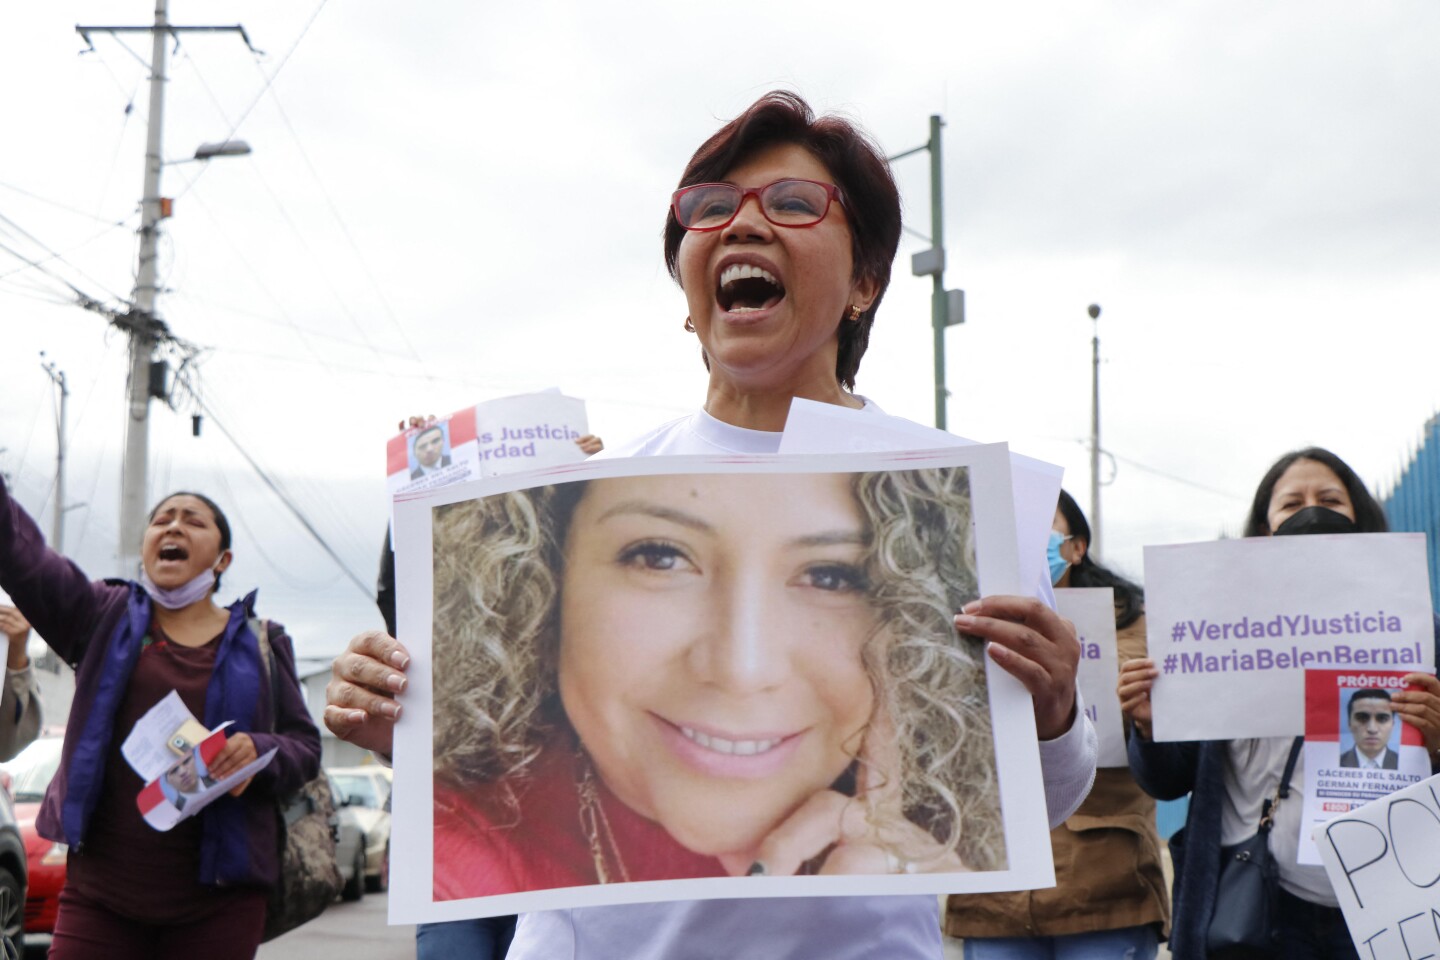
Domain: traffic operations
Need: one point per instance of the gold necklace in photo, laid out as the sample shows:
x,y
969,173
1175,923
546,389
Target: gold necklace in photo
x,y
603,849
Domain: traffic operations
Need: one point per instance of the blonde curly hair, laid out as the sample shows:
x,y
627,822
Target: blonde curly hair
x,y
498,564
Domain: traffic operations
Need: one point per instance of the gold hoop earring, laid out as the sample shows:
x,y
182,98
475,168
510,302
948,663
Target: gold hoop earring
x,y
689,325
855,312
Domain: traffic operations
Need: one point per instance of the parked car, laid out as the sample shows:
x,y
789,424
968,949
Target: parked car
x,y
349,846
43,863
366,792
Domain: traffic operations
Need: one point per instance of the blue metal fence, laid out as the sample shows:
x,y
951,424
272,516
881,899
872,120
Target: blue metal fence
x,y
1413,504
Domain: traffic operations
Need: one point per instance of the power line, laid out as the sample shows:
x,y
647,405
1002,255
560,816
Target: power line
x,y
288,502
344,228
264,318
256,278
55,255
268,81
61,256
83,298
1172,477
66,207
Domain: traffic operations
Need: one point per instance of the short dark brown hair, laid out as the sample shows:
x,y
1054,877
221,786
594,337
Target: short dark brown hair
x,y
872,202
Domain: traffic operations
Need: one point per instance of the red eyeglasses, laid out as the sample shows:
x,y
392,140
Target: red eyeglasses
x,y
785,203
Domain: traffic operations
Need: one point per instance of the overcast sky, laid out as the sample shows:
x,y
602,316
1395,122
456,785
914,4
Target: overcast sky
x,y
454,201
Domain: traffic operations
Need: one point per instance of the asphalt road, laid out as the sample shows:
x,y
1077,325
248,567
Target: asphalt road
x,y
355,931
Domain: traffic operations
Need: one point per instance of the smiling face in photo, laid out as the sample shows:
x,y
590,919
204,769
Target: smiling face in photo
x,y
711,643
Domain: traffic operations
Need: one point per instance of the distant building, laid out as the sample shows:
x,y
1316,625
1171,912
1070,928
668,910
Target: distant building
x,y
334,752
1413,504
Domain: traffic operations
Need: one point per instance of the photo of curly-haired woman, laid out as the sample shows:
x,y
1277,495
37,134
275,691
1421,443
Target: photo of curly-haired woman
x,y
663,677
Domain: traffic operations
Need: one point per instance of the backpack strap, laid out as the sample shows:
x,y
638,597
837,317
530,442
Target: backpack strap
x,y
261,628
1267,812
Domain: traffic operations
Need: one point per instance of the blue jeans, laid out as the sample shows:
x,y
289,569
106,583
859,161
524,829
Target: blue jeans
x,y
485,939
1127,943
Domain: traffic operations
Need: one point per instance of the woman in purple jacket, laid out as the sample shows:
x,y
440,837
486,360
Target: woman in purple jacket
x,y
132,891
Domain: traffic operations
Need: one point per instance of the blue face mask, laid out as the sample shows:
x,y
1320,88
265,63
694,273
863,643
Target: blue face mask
x,y
1058,564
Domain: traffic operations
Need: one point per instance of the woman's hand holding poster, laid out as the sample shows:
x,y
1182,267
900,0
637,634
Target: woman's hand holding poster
x,y
1234,624
691,677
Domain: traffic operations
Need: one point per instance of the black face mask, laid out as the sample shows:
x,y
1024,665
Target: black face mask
x,y
1315,520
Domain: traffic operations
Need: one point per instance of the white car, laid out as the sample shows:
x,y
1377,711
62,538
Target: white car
x,y
365,791
349,846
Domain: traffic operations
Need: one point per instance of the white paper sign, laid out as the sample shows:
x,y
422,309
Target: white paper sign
x,y
667,532
1092,610
508,435
827,428
172,751
1384,862
165,732
1232,625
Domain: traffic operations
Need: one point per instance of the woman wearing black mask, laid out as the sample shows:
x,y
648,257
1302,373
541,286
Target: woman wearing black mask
x,y
1306,491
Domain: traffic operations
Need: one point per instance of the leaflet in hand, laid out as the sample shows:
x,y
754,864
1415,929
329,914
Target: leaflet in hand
x,y
502,436
172,752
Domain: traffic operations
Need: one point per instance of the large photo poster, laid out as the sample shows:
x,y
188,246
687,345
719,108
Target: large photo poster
x,y
691,677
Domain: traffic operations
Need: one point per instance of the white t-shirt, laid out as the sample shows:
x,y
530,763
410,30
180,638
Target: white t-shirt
x,y
775,928
1253,769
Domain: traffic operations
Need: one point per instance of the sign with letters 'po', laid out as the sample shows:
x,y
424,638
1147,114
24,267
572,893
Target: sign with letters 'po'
x,y
1384,863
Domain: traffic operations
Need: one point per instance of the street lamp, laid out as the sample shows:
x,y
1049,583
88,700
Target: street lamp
x,y
225,148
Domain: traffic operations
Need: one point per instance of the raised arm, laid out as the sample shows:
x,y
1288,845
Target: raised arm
x,y
52,592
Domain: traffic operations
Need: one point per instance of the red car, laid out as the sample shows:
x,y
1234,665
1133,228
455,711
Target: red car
x,y
30,774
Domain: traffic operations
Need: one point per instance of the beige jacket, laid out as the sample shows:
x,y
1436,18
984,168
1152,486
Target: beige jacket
x,y
1107,863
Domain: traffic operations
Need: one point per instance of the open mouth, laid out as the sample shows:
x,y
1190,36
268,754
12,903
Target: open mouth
x,y
174,551
744,748
746,288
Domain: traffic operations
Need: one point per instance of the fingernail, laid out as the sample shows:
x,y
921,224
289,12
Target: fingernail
x,y
390,709
963,622
399,661
971,607
395,682
757,869
356,716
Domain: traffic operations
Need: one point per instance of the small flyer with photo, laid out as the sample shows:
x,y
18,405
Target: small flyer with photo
x,y
502,436
440,452
172,752
1356,747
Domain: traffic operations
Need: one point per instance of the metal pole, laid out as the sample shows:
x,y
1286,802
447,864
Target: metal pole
x,y
57,529
143,324
1095,431
58,536
938,304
